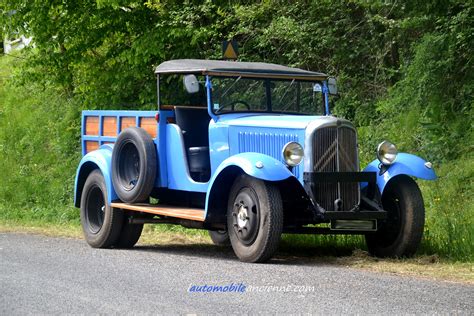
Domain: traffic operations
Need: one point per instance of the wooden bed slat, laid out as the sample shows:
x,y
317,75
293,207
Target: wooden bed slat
x,y
127,122
92,125
110,126
194,214
149,124
91,145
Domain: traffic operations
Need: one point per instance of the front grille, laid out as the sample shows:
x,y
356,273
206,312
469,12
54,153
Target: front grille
x,y
335,150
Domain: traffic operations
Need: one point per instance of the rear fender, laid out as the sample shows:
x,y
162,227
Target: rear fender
x,y
406,164
98,159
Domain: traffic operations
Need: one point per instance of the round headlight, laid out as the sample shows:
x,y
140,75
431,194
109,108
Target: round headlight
x,y
387,153
293,153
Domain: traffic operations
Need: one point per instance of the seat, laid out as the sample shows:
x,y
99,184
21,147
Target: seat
x,y
194,123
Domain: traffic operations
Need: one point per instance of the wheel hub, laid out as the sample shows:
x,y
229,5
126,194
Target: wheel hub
x,y
129,167
242,216
246,218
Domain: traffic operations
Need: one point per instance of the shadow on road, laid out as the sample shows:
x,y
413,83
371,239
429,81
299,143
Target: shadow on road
x,y
287,254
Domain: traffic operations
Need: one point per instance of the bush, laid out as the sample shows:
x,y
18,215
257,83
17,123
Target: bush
x,y
39,150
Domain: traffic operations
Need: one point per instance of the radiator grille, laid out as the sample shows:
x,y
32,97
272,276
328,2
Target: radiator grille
x,y
335,150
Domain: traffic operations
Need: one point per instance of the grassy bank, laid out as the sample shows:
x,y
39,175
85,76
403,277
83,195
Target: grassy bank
x,y
39,152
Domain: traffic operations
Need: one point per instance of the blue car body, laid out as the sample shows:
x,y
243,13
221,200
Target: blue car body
x,y
246,142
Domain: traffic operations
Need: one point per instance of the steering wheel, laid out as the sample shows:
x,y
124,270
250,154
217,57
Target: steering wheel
x,y
234,103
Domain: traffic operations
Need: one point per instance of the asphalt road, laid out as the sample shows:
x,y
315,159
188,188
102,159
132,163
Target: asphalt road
x,y
55,275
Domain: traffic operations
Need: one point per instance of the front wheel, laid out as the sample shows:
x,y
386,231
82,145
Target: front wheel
x,y
254,219
400,234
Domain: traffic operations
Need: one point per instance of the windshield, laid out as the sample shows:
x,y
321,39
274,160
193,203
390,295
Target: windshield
x,y
239,94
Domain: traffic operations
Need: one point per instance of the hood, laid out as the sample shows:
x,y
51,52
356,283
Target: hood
x,y
271,120
268,120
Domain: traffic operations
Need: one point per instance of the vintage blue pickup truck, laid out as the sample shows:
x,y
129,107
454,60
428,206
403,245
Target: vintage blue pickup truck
x,y
247,151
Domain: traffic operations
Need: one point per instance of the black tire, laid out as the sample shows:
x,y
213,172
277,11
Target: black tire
x,y
220,237
401,234
101,223
129,235
254,219
134,165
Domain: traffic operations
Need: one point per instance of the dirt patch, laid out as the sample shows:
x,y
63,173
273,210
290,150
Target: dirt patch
x,y
424,266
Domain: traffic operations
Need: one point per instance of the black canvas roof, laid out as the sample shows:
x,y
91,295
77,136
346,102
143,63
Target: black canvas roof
x,y
235,68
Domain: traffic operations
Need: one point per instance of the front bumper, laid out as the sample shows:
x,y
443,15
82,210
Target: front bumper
x,y
368,207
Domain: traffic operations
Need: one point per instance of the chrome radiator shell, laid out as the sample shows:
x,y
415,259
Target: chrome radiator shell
x,y
331,146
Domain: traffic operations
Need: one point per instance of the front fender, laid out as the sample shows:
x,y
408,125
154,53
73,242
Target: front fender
x,y
101,159
407,164
270,170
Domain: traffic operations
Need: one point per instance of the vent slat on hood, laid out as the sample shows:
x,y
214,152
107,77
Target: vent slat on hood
x,y
266,143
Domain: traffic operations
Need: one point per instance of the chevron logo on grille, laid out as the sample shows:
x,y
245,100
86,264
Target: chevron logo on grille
x,y
327,157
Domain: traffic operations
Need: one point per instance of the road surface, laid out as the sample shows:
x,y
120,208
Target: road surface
x,y
56,275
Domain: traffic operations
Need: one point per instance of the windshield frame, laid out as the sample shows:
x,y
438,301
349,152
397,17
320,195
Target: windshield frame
x,y
268,95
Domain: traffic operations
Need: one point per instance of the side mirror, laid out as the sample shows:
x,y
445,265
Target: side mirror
x,y
191,84
332,86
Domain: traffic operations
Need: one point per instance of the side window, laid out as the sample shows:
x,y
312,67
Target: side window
x,y
173,92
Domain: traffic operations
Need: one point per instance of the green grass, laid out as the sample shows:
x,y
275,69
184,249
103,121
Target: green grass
x,y
449,203
39,153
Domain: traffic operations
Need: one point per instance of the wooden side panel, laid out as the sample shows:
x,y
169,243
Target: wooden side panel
x,y
109,127
164,210
91,145
149,124
92,125
127,122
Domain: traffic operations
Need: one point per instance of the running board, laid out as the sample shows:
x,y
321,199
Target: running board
x,y
194,214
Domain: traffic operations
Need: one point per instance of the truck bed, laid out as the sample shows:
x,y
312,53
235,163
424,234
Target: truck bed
x,y
102,127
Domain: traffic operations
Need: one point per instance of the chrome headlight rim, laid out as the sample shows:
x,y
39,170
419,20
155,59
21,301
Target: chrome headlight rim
x,y
293,153
387,153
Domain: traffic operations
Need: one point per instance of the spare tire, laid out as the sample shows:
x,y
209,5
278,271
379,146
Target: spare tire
x,y
134,165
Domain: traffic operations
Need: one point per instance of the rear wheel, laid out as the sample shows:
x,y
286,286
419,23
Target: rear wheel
x,y
401,233
101,223
254,219
220,237
130,234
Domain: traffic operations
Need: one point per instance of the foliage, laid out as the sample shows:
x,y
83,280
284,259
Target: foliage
x,y
450,210
434,101
39,150
405,72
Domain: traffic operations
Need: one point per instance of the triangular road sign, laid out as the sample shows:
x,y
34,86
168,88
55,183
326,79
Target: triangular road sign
x,y
229,49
